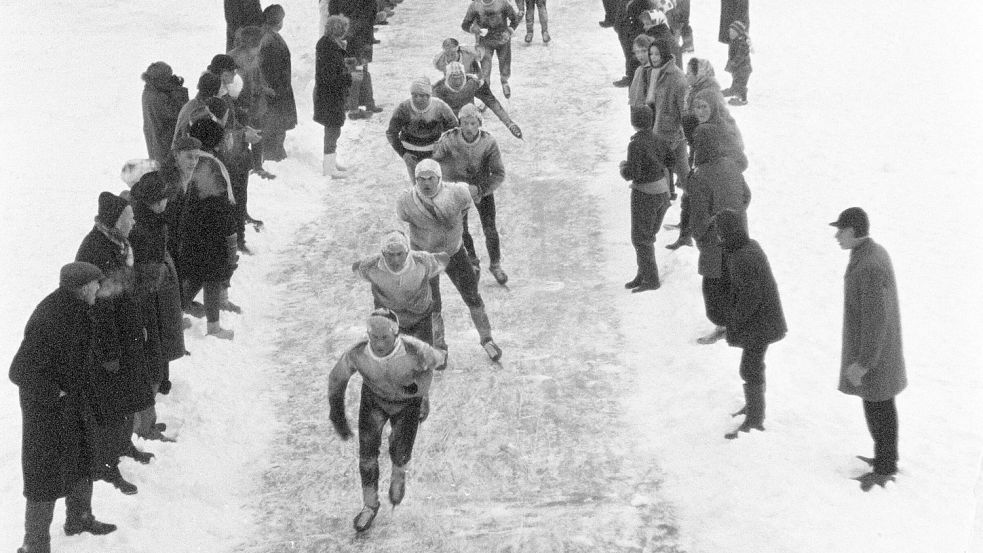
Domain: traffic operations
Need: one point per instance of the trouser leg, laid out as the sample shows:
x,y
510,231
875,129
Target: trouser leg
x,y
543,15
486,211
213,300
78,502
739,85
404,427
423,329
530,14
461,274
331,135
647,213
882,422
436,319
753,373
467,240
625,39
365,95
256,154
505,61
239,179
371,420
107,446
37,525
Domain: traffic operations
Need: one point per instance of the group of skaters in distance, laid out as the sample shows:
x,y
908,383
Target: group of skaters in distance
x,y
97,351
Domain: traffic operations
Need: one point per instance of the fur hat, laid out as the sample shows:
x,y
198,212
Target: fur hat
x,y
209,84
739,27
427,166
220,63
186,143
111,207
78,274
208,132
469,110
641,117
395,241
421,86
136,168
150,189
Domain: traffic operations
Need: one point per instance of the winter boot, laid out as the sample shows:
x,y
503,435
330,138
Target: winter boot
x,y
226,305
739,100
370,499
528,37
634,282
506,90
397,485
683,240
88,523
491,348
712,338
728,92
37,526
496,270
754,410
329,167
215,329
514,129
142,457
111,474
546,35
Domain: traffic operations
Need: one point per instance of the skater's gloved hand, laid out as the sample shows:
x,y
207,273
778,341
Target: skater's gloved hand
x,y
855,374
425,409
111,366
342,428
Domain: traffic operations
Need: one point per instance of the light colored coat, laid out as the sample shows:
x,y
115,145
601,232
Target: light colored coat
x,y
872,325
436,224
477,163
407,291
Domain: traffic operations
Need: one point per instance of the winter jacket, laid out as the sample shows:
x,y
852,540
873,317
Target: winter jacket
x,y
396,379
157,290
436,224
872,324
206,253
413,130
731,11
407,291
238,14
274,63
712,187
498,16
644,165
162,102
331,83
465,56
755,314
51,370
121,379
738,56
666,95
477,163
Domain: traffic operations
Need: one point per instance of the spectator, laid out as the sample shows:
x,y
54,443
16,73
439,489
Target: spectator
x,y
51,371
731,11
209,85
628,25
332,79
738,63
274,65
239,14
164,95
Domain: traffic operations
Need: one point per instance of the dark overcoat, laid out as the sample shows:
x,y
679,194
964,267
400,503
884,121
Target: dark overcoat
x,y
331,83
162,102
118,334
872,324
731,11
755,314
361,15
205,229
274,63
51,371
156,290
713,187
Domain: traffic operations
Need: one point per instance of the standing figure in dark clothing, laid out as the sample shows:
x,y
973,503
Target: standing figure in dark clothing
x,y
532,6
629,25
359,42
738,63
238,14
754,313
164,94
122,381
51,370
274,63
872,364
649,197
332,79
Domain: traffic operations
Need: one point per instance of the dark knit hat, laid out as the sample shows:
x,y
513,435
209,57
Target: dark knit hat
x,y
209,84
78,274
208,132
186,143
157,71
110,208
855,218
739,27
220,63
641,117
150,189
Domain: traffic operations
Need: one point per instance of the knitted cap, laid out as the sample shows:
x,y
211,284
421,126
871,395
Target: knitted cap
x,y
469,110
383,318
111,207
739,27
78,274
395,242
421,86
427,166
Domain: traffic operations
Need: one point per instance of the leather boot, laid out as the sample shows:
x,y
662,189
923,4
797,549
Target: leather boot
x,y
370,507
754,410
215,329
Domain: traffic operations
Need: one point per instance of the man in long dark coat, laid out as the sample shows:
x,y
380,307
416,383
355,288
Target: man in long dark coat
x,y
731,11
51,369
872,363
274,63
239,14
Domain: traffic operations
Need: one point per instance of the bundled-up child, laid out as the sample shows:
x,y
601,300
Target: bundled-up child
x,y
738,63
649,196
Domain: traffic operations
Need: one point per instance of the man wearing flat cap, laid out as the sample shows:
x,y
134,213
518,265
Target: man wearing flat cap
x,y
51,371
400,279
396,374
872,364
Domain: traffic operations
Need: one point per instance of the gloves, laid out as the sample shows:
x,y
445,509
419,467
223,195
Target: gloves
x,y
425,409
855,374
112,366
337,415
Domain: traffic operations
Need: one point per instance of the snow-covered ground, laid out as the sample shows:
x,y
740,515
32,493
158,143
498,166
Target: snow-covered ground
x,y
852,103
